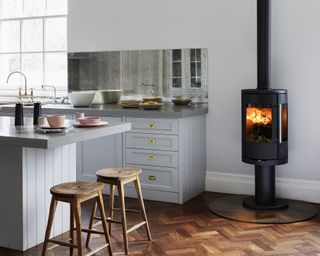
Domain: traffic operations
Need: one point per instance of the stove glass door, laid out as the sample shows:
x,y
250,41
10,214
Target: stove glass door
x,y
259,124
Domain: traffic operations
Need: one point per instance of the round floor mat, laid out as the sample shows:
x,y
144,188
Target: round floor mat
x,y
230,207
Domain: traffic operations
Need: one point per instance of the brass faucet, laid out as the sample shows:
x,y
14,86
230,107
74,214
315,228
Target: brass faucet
x,y
25,81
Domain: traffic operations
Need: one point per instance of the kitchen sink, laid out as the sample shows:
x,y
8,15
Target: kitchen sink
x,y
26,100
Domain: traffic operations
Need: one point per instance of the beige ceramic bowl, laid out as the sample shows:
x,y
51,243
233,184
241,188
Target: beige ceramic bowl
x,y
111,96
56,121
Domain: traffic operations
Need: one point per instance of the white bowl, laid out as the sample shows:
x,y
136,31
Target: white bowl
x,y
81,98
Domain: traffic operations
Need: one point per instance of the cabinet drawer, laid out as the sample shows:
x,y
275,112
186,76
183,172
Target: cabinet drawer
x,y
155,178
152,157
152,141
150,125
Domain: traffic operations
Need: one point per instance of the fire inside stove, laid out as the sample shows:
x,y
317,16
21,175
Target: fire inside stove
x,y
259,124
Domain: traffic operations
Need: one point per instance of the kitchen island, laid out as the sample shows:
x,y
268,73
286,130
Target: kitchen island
x,y
30,164
168,144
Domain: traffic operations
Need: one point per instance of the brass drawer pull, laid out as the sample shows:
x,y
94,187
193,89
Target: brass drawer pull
x,y
151,125
152,141
151,157
152,178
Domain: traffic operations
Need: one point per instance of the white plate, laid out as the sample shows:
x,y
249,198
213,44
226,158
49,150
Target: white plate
x,y
102,123
54,130
46,126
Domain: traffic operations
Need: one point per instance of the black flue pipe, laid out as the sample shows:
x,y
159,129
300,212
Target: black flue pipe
x,y
263,43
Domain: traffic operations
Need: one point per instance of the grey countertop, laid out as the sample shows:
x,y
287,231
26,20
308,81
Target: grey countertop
x,y
27,136
167,111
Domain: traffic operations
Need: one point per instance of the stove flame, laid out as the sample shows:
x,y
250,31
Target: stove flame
x,y
260,116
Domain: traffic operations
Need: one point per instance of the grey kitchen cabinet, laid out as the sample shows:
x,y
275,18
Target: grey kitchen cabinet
x,y
97,154
171,154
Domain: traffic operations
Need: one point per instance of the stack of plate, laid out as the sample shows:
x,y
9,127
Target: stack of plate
x,y
90,121
129,103
152,99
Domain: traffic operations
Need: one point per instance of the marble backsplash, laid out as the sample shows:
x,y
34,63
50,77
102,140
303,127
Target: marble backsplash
x,y
164,73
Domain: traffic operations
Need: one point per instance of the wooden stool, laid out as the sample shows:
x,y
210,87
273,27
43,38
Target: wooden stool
x,y
75,193
119,177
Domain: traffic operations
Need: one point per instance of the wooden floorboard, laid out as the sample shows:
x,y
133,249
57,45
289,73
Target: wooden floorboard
x,y
191,229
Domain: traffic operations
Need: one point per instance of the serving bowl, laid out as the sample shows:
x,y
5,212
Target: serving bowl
x,y
81,98
111,96
181,101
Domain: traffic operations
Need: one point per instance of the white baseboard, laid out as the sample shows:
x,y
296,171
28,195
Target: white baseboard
x,y
306,190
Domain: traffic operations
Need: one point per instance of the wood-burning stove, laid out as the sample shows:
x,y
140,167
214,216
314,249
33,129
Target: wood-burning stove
x,y
264,127
264,122
264,144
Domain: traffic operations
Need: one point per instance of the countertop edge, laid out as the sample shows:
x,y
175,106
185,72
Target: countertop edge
x,y
169,111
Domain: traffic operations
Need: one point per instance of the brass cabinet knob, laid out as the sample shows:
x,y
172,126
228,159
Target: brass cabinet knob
x,y
151,125
151,157
152,141
152,177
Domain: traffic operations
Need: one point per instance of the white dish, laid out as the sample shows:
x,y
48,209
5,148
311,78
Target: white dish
x,y
47,127
79,125
81,98
54,130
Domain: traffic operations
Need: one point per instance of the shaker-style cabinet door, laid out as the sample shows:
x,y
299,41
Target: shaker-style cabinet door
x,y
105,152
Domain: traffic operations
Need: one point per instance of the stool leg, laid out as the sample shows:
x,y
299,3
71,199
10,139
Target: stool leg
x,y
77,212
123,216
104,223
111,205
71,229
144,214
53,206
93,214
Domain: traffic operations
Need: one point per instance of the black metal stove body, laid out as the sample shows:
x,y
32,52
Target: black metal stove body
x,y
264,127
264,122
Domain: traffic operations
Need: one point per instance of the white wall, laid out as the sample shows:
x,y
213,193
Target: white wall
x,y
228,29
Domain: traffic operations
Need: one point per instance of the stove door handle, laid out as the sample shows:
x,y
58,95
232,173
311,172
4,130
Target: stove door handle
x,y
280,123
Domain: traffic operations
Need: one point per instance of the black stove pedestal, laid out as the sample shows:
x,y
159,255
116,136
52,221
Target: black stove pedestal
x,y
265,196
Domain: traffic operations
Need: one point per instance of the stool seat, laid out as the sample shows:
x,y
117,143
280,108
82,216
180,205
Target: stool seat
x,y
74,189
118,173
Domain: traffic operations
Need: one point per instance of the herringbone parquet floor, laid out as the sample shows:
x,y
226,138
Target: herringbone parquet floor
x,y
190,229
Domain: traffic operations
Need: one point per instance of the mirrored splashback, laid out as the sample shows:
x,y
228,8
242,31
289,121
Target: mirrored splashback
x,y
167,73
